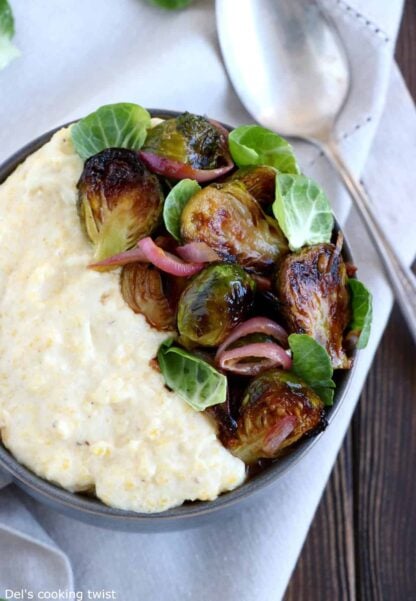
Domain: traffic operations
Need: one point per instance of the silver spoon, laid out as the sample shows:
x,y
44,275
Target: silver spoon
x,y
276,52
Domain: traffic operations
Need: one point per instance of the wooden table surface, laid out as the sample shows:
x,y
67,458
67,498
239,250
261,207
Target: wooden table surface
x,y
362,544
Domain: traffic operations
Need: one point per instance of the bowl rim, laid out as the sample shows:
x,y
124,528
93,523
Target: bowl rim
x,y
81,505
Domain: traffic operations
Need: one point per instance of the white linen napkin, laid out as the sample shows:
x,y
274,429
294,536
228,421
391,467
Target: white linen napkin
x,y
79,55
28,557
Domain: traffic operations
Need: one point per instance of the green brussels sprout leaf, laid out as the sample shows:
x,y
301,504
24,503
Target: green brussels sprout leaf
x,y
362,312
122,125
311,362
171,4
256,145
199,384
302,210
8,51
175,202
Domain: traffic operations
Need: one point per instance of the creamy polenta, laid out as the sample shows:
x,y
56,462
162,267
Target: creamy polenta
x,y
80,403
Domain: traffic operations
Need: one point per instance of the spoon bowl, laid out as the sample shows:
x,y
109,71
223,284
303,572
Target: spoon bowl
x,y
296,77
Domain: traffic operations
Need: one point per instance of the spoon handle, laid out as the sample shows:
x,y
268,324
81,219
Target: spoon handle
x,y
401,278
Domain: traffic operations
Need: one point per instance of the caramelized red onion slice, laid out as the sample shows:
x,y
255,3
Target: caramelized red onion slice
x,y
147,251
278,434
167,262
265,356
176,170
134,255
197,252
255,325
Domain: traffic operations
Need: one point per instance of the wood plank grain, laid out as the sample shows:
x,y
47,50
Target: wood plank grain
x,y
384,441
326,569
406,46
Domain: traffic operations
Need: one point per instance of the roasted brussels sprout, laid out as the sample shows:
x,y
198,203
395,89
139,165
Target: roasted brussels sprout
x,y
142,289
214,302
229,219
188,140
311,286
120,201
260,181
278,408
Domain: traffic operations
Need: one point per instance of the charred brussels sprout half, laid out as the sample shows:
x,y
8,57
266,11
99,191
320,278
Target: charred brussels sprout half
x,y
312,291
142,289
260,181
278,408
214,302
188,139
229,219
120,201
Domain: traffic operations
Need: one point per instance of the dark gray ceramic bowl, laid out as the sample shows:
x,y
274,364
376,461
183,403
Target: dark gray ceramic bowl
x,y
92,511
